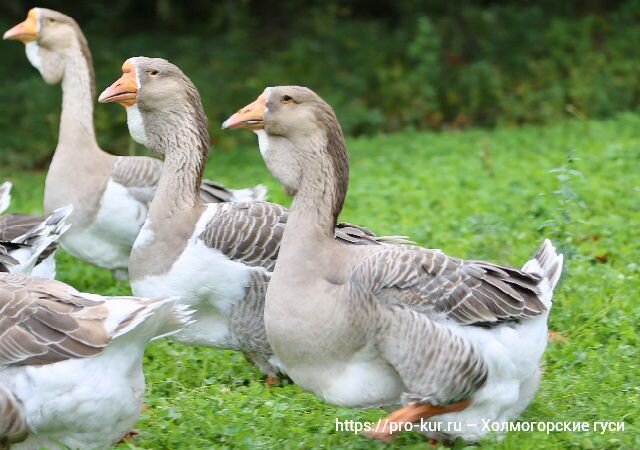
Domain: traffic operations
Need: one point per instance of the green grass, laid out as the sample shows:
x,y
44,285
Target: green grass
x,y
474,194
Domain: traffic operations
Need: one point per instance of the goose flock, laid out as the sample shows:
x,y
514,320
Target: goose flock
x,y
359,320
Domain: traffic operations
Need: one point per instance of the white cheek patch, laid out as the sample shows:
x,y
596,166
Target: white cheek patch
x,y
136,125
263,142
33,54
134,118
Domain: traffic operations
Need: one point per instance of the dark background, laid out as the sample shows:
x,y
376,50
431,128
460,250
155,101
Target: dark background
x,y
384,65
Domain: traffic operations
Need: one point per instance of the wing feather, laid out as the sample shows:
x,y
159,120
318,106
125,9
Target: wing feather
x,y
470,292
251,232
45,321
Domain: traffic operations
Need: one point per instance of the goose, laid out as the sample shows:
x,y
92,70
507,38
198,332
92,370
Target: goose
x,y
217,258
30,242
71,363
33,251
110,194
443,340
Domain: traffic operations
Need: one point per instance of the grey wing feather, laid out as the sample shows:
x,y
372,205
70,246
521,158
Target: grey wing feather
x,y
247,324
212,192
13,426
141,174
251,232
470,292
45,321
436,365
6,260
13,226
358,235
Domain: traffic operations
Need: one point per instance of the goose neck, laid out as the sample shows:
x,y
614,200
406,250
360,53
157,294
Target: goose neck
x,y
185,148
76,119
322,190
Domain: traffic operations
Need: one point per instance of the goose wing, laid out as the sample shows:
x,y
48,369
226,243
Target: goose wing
x,y
251,232
140,175
45,321
430,282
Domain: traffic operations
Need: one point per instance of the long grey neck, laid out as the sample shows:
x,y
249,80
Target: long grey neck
x,y
320,196
185,148
77,134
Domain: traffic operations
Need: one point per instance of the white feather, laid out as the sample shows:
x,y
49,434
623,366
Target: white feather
x,y
263,142
33,55
206,280
93,402
5,195
107,242
135,122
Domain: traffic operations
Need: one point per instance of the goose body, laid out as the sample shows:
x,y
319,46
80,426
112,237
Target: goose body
x,y
31,241
217,258
110,194
450,340
71,363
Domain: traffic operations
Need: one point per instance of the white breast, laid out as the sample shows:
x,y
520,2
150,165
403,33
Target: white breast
x,y
205,279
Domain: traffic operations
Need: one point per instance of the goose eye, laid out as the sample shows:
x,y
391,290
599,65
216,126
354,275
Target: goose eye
x,y
153,73
286,99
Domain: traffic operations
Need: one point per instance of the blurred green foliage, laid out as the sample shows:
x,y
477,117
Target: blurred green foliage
x,y
384,66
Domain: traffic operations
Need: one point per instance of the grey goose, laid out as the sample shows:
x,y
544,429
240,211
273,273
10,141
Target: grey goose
x,y
449,340
110,194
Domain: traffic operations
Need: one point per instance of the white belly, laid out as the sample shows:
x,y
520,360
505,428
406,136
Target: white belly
x,y
107,242
366,381
82,403
203,278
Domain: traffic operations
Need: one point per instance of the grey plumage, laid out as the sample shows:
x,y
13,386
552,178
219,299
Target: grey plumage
x,y
140,175
6,260
44,321
53,340
252,232
470,292
13,226
383,320
13,425
247,233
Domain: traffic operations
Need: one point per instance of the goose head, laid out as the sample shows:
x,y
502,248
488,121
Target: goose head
x,y
50,38
163,106
297,130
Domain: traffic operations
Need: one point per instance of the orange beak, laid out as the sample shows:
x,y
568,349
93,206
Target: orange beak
x,y
124,90
26,31
251,116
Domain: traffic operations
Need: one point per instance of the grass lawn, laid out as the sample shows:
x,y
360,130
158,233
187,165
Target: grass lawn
x,y
475,194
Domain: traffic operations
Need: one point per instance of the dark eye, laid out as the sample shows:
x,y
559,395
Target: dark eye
x,y
153,73
286,99
50,20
